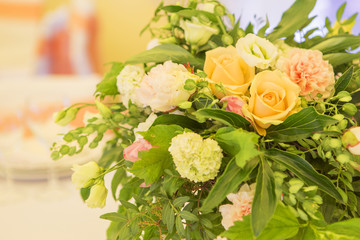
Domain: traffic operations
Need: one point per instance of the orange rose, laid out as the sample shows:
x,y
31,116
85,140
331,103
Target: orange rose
x,y
224,65
273,97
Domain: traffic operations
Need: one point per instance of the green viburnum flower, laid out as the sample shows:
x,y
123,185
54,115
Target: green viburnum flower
x,y
84,174
97,197
196,159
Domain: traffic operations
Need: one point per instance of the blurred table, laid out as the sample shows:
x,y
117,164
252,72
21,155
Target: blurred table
x,y
37,217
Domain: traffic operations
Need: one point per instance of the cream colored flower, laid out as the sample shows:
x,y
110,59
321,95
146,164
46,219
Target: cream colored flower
x,y
84,174
352,139
257,51
97,197
128,80
196,159
240,207
163,87
307,69
196,33
273,97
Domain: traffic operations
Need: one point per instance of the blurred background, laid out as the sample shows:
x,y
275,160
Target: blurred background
x,y
52,54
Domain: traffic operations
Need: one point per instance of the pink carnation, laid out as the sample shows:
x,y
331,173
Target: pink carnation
x,y
234,104
131,153
308,70
241,206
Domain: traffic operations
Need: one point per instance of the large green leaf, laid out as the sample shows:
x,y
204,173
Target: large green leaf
x,y
238,143
180,120
337,43
108,85
240,230
336,59
349,228
344,80
291,20
152,164
161,135
299,125
283,224
264,202
229,118
165,52
227,183
303,170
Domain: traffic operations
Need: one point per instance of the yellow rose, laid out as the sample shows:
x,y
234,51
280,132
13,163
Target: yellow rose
x,y
224,65
273,97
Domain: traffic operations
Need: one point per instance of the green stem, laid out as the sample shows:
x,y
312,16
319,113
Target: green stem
x,y
221,24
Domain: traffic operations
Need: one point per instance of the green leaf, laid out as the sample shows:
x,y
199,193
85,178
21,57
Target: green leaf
x,y
161,135
166,52
118,176
344,80
168,217
337,43
172,8
283,224
108,85
180,201
348,228
239,143
152,164
340,12
261,32
189,216
336,59
291,20
227,183
182,121
190,84
114,217
229,118
179,226
240,230
299,125
85,193
264,202
303,170
172,184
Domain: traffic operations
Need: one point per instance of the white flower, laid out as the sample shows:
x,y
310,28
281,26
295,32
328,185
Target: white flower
x,y
196,33
83,175
128,80
208,7
144,126
163,87
196,159
241,205
152,43
97,197
256,51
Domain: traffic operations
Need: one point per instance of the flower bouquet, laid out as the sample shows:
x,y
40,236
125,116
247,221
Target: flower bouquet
x,y
228,133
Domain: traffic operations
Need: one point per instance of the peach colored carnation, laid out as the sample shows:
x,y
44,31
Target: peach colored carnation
x,y
308,70
234,104
241,205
